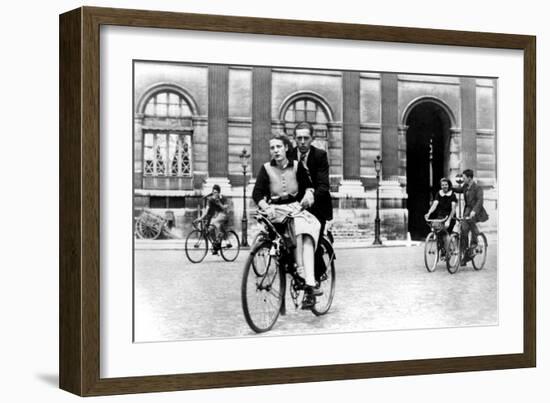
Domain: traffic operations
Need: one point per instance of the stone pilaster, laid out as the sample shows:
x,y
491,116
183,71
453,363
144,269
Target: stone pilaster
x,y
261,116
390,122
454,152
402,150
351,125
468,115
218,111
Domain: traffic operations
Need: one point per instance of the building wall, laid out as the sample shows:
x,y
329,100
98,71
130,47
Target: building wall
x,y
377,127
193,80
325,84
486,93
370,118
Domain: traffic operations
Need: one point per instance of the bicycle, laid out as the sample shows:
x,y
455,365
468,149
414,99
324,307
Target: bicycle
x,y
477,254
434,247
264,282
199,240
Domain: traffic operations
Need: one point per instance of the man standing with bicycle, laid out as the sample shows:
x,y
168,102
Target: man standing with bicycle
x,y
215,214
474,212
317,200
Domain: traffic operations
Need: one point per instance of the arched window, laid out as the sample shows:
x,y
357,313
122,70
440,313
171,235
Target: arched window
x,y
311,110
167,104
167,151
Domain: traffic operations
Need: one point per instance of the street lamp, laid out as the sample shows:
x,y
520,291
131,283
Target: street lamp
x,y
377,168
459,181
244,157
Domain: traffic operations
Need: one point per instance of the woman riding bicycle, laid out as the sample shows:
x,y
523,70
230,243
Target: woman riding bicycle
x,y
444,206
283,187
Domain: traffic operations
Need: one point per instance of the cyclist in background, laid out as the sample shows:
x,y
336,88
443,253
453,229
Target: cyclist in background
x,y
215,214
474,211
444,206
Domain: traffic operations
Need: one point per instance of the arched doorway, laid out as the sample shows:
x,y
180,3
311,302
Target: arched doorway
x,y
428,150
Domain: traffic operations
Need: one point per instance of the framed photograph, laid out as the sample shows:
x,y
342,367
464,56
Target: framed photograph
x,y
249,201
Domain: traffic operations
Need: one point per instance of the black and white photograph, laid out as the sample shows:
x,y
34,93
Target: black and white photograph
x,y
277,201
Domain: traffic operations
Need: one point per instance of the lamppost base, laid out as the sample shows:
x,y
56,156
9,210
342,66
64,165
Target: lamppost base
x,y
377,240
244,236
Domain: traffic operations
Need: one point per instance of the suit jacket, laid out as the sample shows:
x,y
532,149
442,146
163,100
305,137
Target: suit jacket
x,y
317,164
473,200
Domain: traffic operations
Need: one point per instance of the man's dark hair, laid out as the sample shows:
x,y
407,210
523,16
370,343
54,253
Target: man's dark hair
x,y
468,172
304,125
216,187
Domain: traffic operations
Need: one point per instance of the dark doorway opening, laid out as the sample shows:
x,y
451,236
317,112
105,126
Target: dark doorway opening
x,y
428,141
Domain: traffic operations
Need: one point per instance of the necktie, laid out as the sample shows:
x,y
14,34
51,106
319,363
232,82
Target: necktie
x,y
303,162
303,159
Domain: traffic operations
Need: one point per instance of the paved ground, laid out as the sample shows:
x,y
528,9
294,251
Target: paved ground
x,y
376,289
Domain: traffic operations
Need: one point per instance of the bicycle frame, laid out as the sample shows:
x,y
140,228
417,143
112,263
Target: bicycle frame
x,y
205,229
285,253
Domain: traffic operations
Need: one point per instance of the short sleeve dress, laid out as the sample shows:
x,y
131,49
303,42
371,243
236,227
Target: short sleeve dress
x,y
444,206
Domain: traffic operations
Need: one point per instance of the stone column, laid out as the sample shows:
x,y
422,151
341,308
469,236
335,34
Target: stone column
x,y
261,116
468,115
454,152
390,122
402,151
218,111
351,134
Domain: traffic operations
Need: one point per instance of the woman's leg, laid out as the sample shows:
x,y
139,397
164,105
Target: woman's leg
x,y
299,254
308,256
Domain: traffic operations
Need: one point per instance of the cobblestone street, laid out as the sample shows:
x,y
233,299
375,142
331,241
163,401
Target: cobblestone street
x,y
376,289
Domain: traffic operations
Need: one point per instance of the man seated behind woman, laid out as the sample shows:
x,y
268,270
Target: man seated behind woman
x,y
283,186
444,206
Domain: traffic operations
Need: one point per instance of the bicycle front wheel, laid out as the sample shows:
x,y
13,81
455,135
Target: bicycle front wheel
x,y
196,246
479,254
327,282
453,253
431,252
230,246
262,295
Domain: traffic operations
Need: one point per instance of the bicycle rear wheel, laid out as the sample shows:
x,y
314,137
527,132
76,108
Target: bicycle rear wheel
x,y
230,246
196,246
479,256
262,295
431,252
327,281
453,253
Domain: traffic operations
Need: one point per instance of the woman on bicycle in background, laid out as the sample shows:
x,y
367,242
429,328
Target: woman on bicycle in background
x,y
444,206
283,187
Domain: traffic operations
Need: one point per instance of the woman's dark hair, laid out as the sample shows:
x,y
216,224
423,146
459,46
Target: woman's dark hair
x,y
448,182
285,140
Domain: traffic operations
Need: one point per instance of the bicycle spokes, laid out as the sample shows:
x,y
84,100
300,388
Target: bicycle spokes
x,y
262,289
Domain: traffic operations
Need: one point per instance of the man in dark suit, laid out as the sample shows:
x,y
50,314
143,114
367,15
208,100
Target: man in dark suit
x,y
317,200
474,211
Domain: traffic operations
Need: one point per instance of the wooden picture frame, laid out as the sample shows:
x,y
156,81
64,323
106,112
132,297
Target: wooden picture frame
x,y
80,200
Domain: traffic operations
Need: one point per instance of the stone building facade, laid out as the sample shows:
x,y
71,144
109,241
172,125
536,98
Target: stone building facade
x,y
192,121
